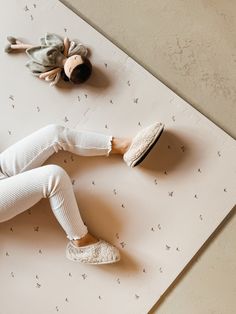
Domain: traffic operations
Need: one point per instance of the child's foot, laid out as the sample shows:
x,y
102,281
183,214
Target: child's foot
x,y
93,251
142,144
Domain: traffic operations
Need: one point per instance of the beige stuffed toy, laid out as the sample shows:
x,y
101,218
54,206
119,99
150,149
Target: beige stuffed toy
x,y
55,58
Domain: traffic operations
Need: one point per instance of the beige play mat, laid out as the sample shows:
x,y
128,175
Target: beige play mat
x,y
158,214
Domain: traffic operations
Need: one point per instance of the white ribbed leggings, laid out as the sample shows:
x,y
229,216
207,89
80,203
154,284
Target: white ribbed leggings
x,y
24,181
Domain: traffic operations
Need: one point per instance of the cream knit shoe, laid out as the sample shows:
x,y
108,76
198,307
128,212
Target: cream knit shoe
x,y
100,252
142,143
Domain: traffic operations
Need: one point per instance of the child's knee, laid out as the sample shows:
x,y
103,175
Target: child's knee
x,y
53,128
56,171
57,178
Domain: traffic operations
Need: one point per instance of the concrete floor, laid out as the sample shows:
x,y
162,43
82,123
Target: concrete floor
x,y
191,47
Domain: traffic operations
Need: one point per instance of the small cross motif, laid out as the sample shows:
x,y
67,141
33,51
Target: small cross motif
x,y
36,229
123,244
26,8
38,285
84,276
171,193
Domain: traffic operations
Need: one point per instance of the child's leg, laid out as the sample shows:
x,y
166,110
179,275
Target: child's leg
x,y
33,150
22,191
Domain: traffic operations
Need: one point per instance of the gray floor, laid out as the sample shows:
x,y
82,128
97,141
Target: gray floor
x,y
191,47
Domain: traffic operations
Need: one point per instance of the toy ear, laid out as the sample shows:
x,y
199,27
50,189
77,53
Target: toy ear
x,y
64,76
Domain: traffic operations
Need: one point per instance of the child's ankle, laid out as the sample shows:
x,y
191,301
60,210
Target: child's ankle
x,y
86,240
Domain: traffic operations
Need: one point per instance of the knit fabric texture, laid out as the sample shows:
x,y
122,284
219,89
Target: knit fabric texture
x,y
100,252
142,142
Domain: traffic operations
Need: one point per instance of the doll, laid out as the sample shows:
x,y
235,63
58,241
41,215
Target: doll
x,y
55,58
